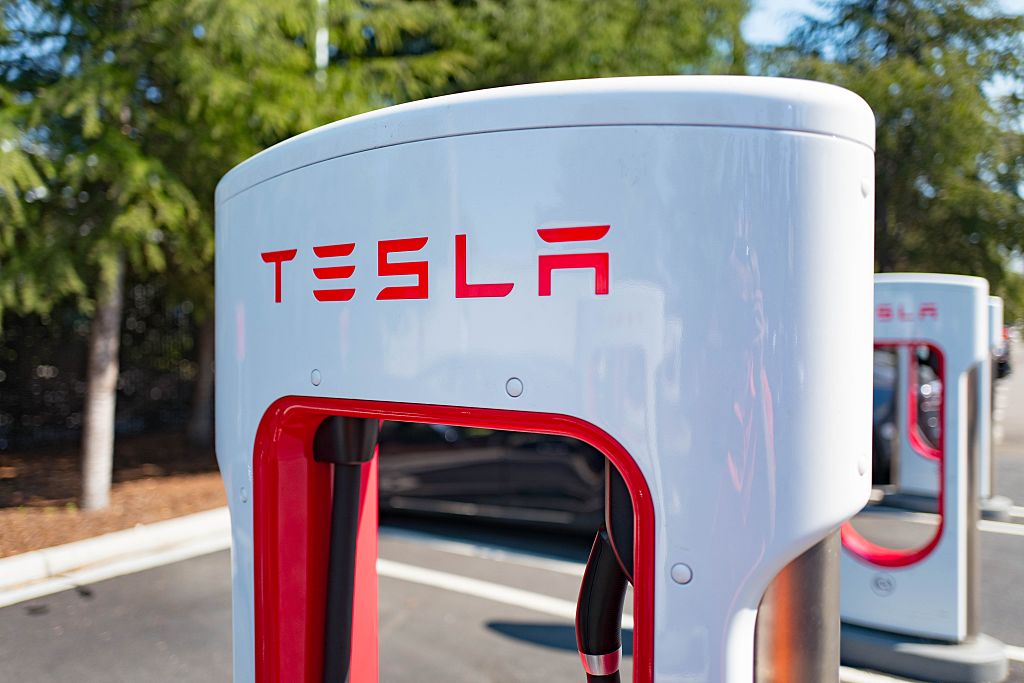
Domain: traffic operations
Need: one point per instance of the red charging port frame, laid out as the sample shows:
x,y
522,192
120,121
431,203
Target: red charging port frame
x,y
854,541
291,513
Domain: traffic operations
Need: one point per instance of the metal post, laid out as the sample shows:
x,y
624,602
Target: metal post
x,y
797,632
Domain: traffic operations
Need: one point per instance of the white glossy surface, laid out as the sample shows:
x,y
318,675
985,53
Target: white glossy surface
x,y
986,454
734,101
995,322
740,299
928,598
919,475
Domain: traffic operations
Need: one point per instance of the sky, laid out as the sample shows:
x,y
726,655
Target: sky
x,y
771,20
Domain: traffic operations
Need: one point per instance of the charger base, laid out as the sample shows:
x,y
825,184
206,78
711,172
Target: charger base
x,y
980,659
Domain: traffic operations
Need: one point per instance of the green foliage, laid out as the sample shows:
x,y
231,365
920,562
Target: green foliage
x,y
118,118
522,41
136,109
944,80
23,167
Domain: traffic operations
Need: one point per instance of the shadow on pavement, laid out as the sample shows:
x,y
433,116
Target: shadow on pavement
x,y
554,543
556,636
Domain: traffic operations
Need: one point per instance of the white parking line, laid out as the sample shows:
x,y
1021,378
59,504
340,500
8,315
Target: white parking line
x,y
848,675
1004,528
485,551
990,526
564,609
495,592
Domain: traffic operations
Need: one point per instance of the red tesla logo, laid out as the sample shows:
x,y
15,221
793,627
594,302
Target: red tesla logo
x,y
335,271
888,313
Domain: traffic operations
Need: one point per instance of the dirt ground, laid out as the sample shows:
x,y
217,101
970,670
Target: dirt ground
x,y
156,477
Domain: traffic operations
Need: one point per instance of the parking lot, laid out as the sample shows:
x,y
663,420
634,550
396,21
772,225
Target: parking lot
x,y
458,603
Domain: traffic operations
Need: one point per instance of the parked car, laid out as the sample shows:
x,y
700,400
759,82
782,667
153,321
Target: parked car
x,y
885,427
557,481
1002,356
500,476
884,435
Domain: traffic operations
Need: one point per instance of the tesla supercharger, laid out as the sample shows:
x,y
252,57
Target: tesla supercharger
x,y
914,610
993,506
675,270
917,461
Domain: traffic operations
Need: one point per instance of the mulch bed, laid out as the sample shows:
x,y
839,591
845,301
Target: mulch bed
x,y
156,477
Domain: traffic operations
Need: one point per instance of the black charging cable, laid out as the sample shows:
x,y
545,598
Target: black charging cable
x,y
347,443
599,612
603,591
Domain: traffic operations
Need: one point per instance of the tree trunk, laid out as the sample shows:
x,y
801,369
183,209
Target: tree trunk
x,y
101,391
200,424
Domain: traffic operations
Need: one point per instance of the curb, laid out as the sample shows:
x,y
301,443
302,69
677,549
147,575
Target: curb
x,y
112,554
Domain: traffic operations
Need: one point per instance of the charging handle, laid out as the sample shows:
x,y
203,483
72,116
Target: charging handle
x,y
347,443
603,591
599,612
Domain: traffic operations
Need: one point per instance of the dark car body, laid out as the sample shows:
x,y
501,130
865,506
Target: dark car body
x,y
885,427
511,477
1001,355
884,434
546,480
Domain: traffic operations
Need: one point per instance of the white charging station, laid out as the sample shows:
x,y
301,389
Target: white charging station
x,y
676,270
993,506
917,461
995,322
893,597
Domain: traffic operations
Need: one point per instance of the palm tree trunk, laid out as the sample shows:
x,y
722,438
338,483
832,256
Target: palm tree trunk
x,y
200,424
101,391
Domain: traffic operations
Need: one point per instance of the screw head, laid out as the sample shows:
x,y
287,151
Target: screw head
x,y
681,573
315,378
514,387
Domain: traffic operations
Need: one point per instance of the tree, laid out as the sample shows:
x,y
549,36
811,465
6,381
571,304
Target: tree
x,y
944,80
24,165
44,256
525,41
137,109
124,115
104,205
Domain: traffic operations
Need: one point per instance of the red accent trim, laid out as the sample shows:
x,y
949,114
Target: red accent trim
x,y
330,250
277,258
464,290
334,272
291,504
583,233
343,294
546,264
418,268
872,553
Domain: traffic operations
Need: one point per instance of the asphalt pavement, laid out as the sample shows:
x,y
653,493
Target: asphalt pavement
x,y
457,603
172,623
